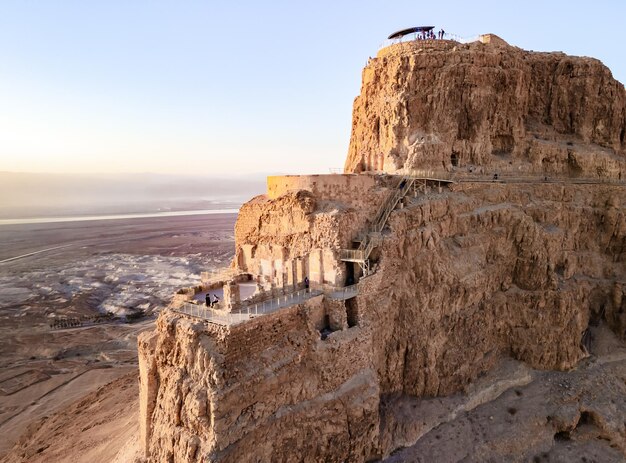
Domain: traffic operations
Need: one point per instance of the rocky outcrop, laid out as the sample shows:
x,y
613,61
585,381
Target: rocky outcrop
x,y
479,273
256,392
435,104
466,275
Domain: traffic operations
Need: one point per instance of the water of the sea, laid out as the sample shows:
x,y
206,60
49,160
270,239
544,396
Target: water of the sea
x,y
115,216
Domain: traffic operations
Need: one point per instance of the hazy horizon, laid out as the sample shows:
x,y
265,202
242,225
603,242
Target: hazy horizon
x,y
33,195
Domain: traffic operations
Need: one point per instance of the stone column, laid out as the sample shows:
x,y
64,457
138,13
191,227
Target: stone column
x,y
316,269
289,275
232,298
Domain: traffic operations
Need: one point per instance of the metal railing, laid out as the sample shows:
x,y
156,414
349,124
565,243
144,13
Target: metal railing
x,y
514,177
276,303
371,238
246,312
388,206
209,314
416,38
344,293
251,311
354,255
436,175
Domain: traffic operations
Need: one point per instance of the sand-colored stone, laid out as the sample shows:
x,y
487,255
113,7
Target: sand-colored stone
x,y
490,105
222,390
467,275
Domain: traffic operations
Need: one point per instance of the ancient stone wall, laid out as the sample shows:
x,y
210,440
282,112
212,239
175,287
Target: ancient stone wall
x,y
343,188
296,230
254,392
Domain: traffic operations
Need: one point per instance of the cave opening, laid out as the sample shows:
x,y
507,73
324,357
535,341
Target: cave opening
x,y
562,436
351,276
325,329
454,159
352,312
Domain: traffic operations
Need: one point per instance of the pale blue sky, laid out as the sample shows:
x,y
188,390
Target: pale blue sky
x,y
217,87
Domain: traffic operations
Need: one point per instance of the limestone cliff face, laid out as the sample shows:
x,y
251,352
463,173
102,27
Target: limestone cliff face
x,y
437,103
465,275
269,390
479,273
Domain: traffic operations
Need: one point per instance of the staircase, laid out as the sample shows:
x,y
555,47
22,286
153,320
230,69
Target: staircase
x,y
372,236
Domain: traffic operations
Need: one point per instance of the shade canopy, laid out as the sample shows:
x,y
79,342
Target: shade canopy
x,y
410,30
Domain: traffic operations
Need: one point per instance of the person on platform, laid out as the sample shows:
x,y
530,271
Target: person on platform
x,y
306,284
215,300
207,299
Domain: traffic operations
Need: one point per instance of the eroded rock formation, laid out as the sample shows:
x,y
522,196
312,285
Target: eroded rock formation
x,y
465,275
436,103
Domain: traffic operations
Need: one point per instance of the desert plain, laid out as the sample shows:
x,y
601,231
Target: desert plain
x,y
69,394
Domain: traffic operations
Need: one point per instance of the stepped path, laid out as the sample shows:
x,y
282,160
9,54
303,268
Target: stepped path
x,y
367,240
370,238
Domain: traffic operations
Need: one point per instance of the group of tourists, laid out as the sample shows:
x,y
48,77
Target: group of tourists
x,y
430,35
211,300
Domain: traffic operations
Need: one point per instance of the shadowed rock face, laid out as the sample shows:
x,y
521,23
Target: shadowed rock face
x,y
423,103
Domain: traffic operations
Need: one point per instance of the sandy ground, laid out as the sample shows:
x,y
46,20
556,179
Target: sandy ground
x,y
70,394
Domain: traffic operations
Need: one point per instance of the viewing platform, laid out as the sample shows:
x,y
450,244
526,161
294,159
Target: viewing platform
x,y
409,44
249,311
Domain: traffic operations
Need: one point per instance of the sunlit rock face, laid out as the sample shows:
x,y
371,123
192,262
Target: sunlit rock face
x,y
466,275
429,104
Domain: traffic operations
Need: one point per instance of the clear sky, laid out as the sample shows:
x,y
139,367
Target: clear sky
x,y
230,87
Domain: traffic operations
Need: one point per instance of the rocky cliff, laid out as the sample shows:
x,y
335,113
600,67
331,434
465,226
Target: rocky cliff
x,y
466,274
440,103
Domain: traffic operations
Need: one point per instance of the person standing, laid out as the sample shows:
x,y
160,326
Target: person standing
x,y
306,284
207,299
